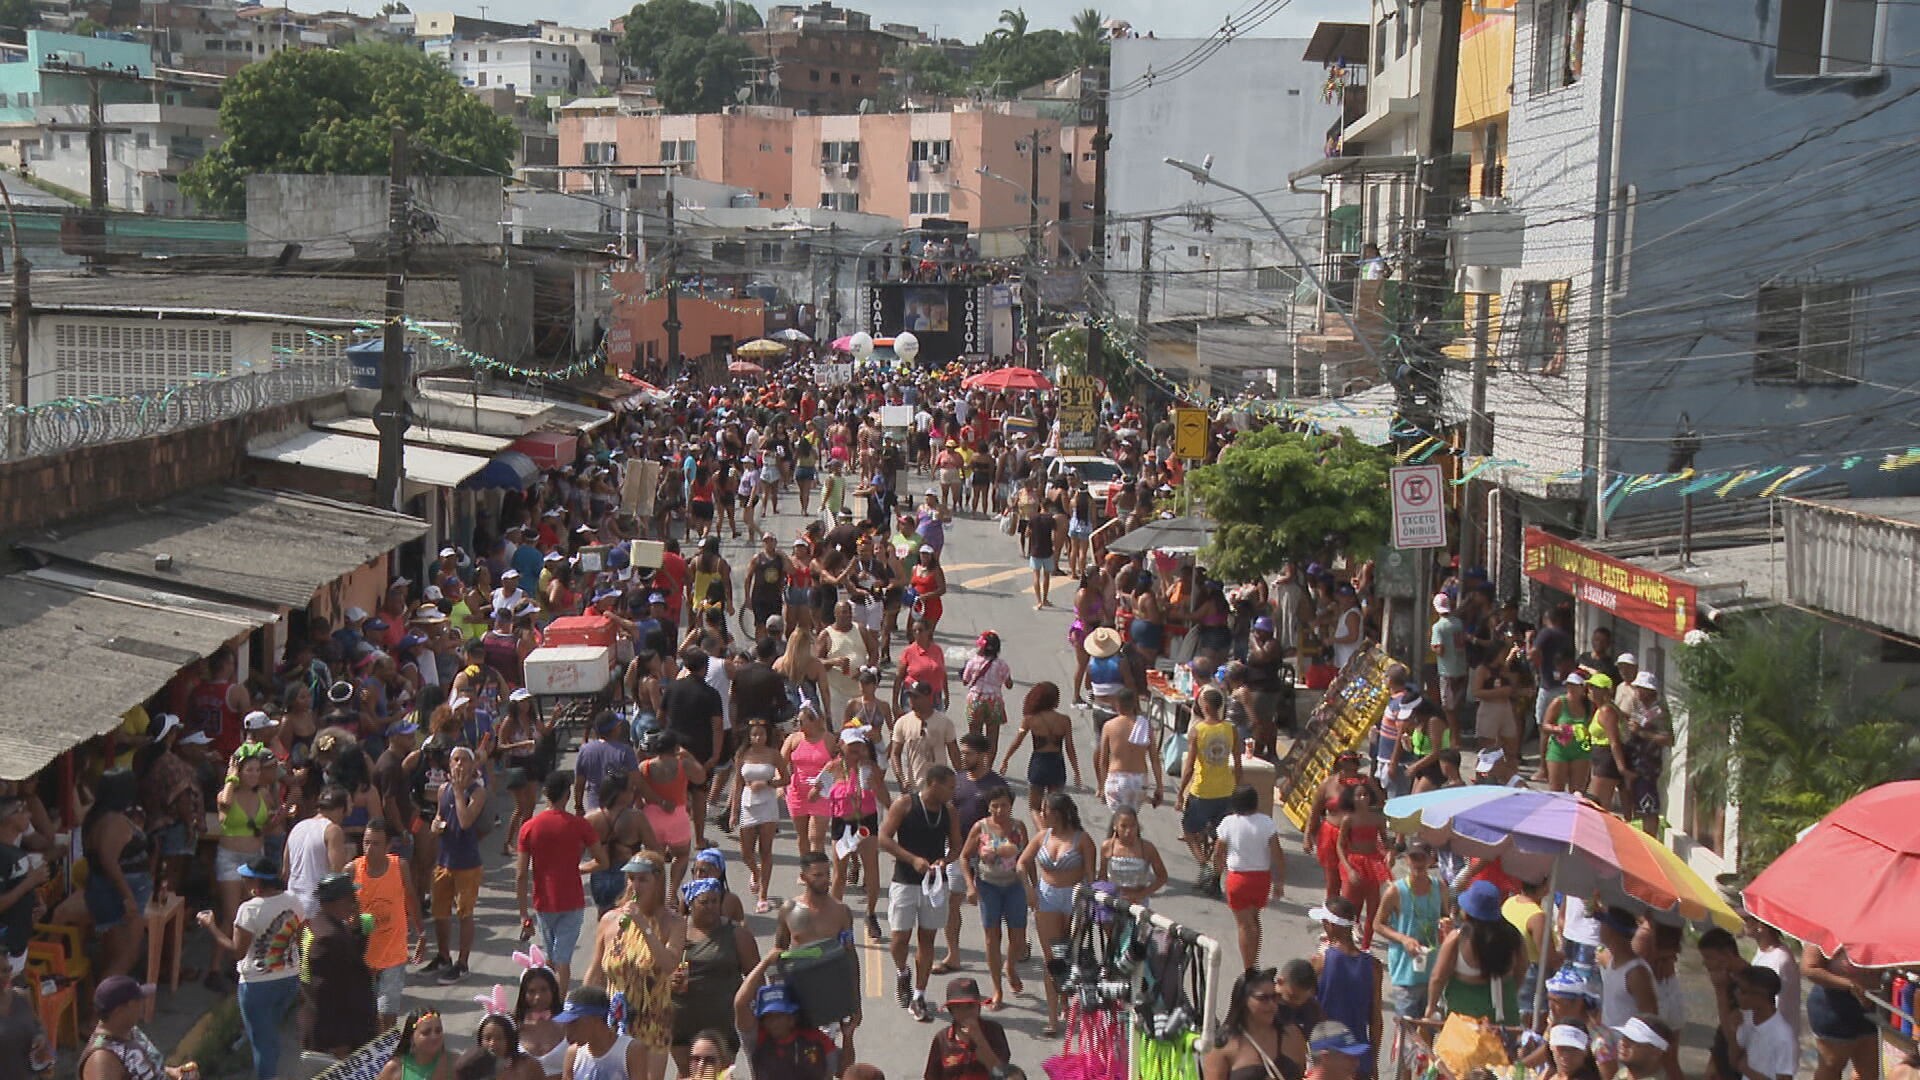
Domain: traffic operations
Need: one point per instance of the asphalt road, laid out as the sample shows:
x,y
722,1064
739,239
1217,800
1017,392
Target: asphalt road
x,y
990,590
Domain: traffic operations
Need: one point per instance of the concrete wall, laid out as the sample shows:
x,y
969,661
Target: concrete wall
x,y
41,491
329,215
1256,108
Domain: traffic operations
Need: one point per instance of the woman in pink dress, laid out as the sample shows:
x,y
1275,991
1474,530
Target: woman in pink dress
x,y
807,752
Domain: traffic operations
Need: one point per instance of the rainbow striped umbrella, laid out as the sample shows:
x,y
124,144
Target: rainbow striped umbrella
x,y
1584,849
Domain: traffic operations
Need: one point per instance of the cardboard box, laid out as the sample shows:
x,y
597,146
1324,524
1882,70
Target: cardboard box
x,y
569,669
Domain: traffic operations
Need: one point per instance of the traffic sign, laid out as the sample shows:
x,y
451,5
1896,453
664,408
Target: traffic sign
x,y
1192,432
1419,511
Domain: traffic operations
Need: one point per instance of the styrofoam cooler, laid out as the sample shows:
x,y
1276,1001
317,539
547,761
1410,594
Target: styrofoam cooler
x,y
569,669
1260,775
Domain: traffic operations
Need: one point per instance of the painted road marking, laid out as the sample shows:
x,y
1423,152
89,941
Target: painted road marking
x,y
996,578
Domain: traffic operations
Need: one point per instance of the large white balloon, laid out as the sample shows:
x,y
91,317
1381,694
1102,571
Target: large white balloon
x,y
906,347
862,345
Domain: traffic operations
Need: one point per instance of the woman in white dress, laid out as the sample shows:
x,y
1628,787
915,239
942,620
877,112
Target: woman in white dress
x,y
755,807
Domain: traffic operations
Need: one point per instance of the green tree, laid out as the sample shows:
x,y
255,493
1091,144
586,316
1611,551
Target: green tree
x,y
654,27
697,75
1090,37
16,16
930,71
314,111
1774,728
1013,25
1278,495
1068,348
745,16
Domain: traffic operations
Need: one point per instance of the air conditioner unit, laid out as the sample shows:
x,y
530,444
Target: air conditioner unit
x,y
850,170
828,164
934,164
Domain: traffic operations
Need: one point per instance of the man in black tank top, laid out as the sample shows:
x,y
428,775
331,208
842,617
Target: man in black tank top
x,y
922,833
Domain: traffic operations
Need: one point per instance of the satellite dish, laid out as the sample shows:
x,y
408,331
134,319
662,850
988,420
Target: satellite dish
x,y
866,106
741,95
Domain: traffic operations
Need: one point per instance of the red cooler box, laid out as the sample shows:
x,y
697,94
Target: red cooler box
x,y
589,630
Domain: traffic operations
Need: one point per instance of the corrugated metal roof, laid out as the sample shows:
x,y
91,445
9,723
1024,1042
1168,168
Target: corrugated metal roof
x,y
1857,558
73,661
243,543
291,297
420,435
361,457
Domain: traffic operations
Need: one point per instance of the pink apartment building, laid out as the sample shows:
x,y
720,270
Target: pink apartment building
x,y
907,166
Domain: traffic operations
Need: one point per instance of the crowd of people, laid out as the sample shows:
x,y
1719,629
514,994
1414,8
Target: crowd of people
x,y
803,695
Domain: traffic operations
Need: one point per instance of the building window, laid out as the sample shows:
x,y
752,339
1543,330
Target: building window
x,y
1559,40
771,253
483,78
1126,242
1380,32
1193,251
1269,278
1828,37
813,75
856,78
929,202
932,150
141,140
1539,331
834,78
766,148
1400,29
66,143
840,153
536,79
1808,334
483,56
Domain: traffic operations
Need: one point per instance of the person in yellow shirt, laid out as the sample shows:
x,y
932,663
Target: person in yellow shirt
x,y
471,614
134,725
1208,778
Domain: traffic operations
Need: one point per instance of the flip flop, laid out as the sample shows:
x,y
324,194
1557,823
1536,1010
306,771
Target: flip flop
x,y
1014,984
1049,1030
994,1004
945,968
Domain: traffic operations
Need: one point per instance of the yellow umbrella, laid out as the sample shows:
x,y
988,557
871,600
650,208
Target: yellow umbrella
x,y
761,348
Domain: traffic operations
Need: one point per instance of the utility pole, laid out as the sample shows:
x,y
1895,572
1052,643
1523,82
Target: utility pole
x,y
1479,439
1035,246
390,416
1146,276
96,131
1097,258
833,286
20,326
1431,281
672,325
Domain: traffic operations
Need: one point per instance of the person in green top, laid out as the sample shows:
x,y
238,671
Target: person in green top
x,y
422,1053
1564,731
1409,919
1428,735
834,497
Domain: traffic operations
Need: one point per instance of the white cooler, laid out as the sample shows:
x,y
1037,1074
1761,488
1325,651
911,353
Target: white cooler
x,y
569,669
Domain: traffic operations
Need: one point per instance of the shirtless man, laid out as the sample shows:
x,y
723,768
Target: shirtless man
x,y
815,915
1121,765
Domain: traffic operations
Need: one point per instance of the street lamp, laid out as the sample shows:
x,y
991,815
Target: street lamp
x,y
1203,174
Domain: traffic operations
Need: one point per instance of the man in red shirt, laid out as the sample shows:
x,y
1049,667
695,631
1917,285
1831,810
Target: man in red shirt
x,y
670,580
551,844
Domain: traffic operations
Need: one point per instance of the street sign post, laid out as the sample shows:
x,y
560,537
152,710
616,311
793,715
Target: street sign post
x,y
1191,433
1419,508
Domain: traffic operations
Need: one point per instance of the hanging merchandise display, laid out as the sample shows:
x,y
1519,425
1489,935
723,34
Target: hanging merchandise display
x,y
1139,990
1352,708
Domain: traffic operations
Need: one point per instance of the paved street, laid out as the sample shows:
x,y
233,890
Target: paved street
x,y
991,589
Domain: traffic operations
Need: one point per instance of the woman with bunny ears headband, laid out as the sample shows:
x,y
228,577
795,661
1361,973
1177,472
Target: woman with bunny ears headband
x,y
499,1038
533,1013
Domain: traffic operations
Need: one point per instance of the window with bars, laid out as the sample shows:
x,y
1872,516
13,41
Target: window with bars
x,y
1534,338
1808,334
1559,41
1829,37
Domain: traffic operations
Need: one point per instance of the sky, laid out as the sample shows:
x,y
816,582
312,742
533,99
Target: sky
x,y
970,19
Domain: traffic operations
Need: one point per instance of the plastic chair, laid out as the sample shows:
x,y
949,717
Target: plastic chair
x,y
54,955
51,1006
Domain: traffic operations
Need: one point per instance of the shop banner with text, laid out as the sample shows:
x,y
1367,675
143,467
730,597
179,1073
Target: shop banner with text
x,y
1640,596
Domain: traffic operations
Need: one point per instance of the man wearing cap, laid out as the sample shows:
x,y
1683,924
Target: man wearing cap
x,y
341,1013
1494,768
1448,643
1648,733
767,1024
118,1049
318,847
1265,656
397,776
1641,1048
595,1049
921,737
458,868
607,750
174,802
21,875
972,1047
509,594
1350,977
346,640
1334,1052
265,928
